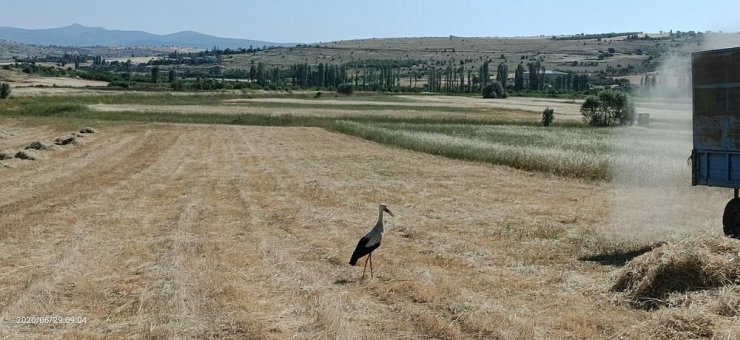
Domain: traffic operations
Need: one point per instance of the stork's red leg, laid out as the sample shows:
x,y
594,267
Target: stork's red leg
x,y
364,269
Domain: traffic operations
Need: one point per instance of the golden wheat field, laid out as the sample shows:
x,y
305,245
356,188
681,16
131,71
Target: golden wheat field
x,y
215,231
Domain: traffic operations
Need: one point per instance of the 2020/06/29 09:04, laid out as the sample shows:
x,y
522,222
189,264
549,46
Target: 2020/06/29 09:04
x,y
51,319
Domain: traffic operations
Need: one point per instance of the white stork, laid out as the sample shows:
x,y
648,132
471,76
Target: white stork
x,y
370,242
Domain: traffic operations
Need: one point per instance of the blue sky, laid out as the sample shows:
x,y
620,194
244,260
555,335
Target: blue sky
x,y
327,20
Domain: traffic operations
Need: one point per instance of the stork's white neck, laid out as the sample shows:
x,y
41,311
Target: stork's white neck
x,y
379,225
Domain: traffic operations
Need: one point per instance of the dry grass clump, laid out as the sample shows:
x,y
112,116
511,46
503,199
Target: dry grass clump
x,y
27,155
694,264
88,130
681,324
722,302
727,303
37,145
68,140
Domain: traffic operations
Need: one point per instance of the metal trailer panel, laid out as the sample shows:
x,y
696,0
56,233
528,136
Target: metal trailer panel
x,y
716,168
716,118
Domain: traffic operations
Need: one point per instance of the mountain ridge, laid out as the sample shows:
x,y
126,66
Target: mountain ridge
x,y
77,35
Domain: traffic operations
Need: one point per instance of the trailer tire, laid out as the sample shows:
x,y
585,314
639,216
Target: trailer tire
x,y
731,218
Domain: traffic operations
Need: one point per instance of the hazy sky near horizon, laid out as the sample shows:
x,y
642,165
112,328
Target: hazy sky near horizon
x,y
328,20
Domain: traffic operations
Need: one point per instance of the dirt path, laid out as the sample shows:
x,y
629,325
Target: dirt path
x,y
244,232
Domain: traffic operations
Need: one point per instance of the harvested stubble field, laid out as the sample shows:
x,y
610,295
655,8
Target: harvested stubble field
x,y
201,231
22,80
241,231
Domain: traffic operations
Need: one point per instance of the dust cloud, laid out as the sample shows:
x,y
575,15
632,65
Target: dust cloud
x,y
651,198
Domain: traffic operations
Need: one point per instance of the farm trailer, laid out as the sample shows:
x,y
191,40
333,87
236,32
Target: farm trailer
x,y
716,123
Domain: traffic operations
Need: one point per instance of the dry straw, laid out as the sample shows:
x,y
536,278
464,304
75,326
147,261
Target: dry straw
x,y
68,140
6,155
699,263
37,145
27,155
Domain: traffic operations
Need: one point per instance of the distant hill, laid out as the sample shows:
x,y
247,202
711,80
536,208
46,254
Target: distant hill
x,y
80,36
9,50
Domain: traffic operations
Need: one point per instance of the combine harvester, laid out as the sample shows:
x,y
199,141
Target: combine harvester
x,y
716,119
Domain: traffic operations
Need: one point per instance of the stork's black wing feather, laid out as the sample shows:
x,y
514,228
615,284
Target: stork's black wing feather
x,y
362,250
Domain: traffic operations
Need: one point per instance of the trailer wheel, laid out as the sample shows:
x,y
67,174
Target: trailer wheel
x,y
731,218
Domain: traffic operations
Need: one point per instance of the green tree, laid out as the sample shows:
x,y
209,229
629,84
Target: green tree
x,y
345,89
470,81
461,74
548,116
493,90
541,78
155,75
432,83
502,73
519,78
484,74
610,108
590,109
252,72
580,83
177,85
261,74
4,90
171,76
534,79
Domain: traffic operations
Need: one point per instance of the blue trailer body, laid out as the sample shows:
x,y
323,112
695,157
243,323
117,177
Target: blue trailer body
x,y
716,168
716,118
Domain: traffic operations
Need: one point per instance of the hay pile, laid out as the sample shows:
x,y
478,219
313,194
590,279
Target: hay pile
x,y
37,145
700,263
6,155
678,324
27,155
88,130
68,140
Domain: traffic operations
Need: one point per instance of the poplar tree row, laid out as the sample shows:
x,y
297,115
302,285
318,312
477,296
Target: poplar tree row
x,y
377,75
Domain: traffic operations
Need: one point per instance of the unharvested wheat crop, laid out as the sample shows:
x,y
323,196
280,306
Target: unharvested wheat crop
x,y
573,152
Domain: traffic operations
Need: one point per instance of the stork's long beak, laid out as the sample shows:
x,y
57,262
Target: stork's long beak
x,y
389,212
